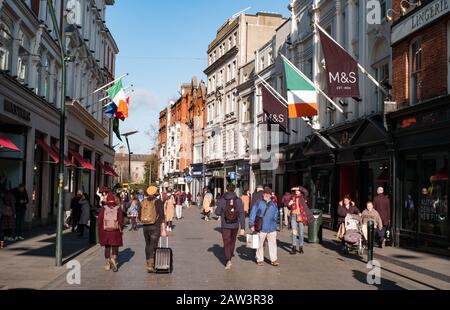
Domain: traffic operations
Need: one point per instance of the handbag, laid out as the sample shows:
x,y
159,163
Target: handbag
x,y
259,220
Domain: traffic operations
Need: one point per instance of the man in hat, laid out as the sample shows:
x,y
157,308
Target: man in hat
x,y
152,217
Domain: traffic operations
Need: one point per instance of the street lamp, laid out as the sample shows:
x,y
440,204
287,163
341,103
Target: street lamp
x,y
62,130
126,135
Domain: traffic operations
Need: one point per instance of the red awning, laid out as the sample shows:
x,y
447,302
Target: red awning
x,y
441,175
67,161
111,169
7,144
52,153
84,163
106,169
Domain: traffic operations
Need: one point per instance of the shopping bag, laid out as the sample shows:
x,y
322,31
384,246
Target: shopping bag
x,y
253,241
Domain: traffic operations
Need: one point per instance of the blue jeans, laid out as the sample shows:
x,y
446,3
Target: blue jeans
x,y
297,231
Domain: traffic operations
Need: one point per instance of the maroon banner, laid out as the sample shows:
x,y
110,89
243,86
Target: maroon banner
x,y
342,69
274,111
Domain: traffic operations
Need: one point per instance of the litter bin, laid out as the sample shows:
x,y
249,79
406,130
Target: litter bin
x,y
315,228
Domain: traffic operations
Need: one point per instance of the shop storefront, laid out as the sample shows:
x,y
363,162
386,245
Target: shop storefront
x,y
12,163
197,173
421,136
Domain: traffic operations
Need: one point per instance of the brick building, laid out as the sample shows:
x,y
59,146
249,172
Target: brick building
x,y
420,124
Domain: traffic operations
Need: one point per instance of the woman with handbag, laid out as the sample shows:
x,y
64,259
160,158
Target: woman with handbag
x,y
298,220
8,216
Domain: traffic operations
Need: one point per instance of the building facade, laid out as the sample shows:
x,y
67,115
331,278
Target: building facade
x,y
419,126
234,46
137,167
30,99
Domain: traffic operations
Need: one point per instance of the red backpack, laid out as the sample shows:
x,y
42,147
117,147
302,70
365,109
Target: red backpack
x,y
231,213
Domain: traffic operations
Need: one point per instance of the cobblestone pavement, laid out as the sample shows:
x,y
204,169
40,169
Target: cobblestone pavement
x,y
199,264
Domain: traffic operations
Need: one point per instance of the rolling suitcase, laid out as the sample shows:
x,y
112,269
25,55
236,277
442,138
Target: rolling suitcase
x,y
163,258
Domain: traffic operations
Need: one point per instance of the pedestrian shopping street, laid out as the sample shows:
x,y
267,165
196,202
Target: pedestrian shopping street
x,y
199,264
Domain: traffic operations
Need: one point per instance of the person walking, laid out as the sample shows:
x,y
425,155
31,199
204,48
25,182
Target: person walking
x,y
7,222
207,204
346,206
298,220
75,209
110,223
152,218
370,214
285,205
21,202
179,205
231,212
382,205
169,210
246,202
133,211
268,212
85,214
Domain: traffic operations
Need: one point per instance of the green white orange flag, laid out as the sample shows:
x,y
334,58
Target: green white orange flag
x,y
117,95
302,95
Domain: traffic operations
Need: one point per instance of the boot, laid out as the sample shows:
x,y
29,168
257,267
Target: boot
x,y
114,264
107,265
300,250
150,265
293,250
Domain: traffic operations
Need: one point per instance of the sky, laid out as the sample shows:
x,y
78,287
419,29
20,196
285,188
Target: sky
x,y
162,45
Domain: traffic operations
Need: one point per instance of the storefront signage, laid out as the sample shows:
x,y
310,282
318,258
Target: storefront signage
x,y
424,16
90,134
16,110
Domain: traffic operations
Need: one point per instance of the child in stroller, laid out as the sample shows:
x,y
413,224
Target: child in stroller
x,y
353,237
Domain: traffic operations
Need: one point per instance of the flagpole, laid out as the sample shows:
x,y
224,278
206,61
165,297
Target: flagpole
x,y
274,92
312,84
110,83
363,70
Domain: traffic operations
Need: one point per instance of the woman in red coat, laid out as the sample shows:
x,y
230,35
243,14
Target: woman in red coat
x,y
110,227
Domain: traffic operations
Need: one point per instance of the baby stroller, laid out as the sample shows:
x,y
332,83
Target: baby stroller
x,y
354,237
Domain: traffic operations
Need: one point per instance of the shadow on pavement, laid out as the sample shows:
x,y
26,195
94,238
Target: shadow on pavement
x,y
336,246
246,253
385,284
218,252
125,256
284,246
218,229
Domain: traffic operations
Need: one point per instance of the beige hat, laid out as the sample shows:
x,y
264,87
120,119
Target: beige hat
x,y
152,190
294,189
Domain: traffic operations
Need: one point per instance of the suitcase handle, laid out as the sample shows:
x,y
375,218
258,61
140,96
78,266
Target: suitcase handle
x,y
167,242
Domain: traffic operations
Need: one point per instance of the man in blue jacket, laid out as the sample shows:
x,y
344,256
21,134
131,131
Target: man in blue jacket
x,y
268,211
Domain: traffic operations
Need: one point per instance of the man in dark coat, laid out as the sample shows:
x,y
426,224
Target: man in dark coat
x,y
21,196
75,208
382,205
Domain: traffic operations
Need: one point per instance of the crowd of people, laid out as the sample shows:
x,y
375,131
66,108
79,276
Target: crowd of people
x,y
13,208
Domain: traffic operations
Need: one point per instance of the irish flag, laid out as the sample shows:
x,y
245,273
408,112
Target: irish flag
x,y
302,96
117,95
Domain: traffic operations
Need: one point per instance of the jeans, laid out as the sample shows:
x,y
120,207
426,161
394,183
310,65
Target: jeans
x,y
20,217
229,241
272,241
297,232
179,211
151,235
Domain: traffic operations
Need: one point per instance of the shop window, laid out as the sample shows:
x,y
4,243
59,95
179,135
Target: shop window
x,y
409,192
433,209
5,47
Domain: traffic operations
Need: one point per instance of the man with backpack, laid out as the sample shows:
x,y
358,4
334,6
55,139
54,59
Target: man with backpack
x,y
231,211
151,215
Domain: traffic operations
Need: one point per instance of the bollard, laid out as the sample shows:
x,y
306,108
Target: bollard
x,y
93,234
370,240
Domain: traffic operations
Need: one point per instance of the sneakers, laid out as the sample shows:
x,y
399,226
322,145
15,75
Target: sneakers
x,y
275,263
260,263
293,251
20,238
228,266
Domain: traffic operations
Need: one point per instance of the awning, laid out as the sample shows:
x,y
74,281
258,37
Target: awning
x,y
52,153
7,144
67,161
107,169
441,175
84,163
